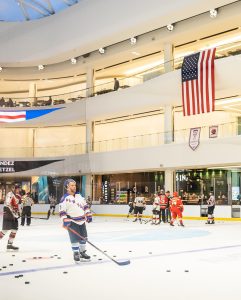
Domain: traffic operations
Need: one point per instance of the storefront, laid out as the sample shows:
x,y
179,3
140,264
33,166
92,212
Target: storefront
x,y
121,188
194,185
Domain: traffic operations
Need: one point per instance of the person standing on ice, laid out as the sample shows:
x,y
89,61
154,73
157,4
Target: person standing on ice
x,y
74,212
176,206
211,206
11,214
139,207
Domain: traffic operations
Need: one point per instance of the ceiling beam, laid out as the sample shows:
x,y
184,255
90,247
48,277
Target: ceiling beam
x,y
23,10
34,8
41,5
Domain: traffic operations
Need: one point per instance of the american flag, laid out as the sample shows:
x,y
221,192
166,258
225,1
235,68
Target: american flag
x,y
198,84
12,116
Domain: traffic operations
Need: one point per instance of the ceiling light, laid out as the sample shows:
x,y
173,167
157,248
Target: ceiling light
x,y
40,67
1,69
73,61
102,50
170,27
213,13
133,40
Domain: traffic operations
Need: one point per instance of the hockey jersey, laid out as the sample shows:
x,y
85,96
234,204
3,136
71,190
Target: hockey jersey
x,y
176,203
12,202
163,201
139,202
211,201
74,207
156,203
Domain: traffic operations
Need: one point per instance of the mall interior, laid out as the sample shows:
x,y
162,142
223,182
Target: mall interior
x,y
61,114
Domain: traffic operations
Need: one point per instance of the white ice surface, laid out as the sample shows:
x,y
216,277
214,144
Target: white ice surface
x,y
210,253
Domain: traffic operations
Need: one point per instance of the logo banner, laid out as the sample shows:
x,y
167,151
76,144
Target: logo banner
x,y
194,138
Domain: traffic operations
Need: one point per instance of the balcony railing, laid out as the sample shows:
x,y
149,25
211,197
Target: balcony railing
x,y
139,141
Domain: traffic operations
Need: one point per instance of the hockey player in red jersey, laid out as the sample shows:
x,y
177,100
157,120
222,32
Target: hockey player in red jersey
x,y
163,206
10,216
176,209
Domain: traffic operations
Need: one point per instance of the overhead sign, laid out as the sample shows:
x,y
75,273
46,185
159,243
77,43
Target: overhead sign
x,y
13,166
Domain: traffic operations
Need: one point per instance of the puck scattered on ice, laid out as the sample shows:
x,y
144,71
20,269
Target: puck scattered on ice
x,y
100,259
65,272
186,271
55,255
4,267
130,250
16,276
59,257
94,255
105,251
10,264
23,260
40,257
168,270
114,255
13,254
21,275
34,257
27,282
150,252
0,269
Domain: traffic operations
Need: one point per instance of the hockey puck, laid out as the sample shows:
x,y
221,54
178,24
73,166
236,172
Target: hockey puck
x,y
21,275
150,252
59,257
94,255
114,255
186,271
130,250
4,267
34,257
13,254
40,257
0,269
65,272
168,271
10,264
23,260
100,259
27,282
16,276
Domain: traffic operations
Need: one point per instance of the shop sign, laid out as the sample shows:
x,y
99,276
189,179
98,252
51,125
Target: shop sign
x,y
194,138
213,131
13,166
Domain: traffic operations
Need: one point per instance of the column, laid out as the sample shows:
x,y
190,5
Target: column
x,y
170,185
90,82
32,93
168,124
168,58
90,126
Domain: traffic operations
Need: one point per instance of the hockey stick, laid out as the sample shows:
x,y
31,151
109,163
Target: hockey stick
x,y
119,263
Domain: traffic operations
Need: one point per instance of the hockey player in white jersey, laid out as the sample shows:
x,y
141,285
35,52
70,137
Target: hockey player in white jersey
x,y
74,211
156,210
211,206
139,206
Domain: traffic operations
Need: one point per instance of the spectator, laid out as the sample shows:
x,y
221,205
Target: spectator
x,y
50,101
116,84
2,102
10,102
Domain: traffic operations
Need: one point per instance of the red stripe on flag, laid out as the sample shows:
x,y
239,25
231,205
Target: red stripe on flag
x,y
207,80
201,82
12,117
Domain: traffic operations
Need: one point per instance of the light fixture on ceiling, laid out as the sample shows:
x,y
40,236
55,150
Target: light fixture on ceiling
x,y
102,50
170,27
40,67
133,40
73,61
213,13
1,69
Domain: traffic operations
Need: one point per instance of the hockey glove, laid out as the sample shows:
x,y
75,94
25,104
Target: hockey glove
x,y
88,218
66,222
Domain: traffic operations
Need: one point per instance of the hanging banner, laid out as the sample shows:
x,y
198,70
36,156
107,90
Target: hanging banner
x,y
213,132
194,138
13,166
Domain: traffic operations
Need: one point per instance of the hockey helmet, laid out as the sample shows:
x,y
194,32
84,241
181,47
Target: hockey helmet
x,y
17,186
67,181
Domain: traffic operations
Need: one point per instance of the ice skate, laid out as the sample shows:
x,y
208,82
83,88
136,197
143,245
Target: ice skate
x,y
135,220
77,257
84,257
11,247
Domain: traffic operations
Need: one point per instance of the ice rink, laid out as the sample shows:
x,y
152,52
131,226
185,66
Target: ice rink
x,y
195,262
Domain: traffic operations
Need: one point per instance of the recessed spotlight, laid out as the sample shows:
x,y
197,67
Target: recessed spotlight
x,y
40,67
1,69
170,27
213,13
73,61
133,40
102,50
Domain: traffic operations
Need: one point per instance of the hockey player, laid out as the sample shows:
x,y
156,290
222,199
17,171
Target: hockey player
x,y
176,209
53,202
74,212
211,206
163,206
156,210
10,216
131,208
139,206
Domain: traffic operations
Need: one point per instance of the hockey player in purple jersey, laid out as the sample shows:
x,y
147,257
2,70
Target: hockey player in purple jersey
x,y
74,212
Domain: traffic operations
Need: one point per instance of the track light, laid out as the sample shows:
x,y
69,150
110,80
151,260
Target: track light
x,y
40,67
1,69
73,61
170,27
102,50
213,13
133,40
